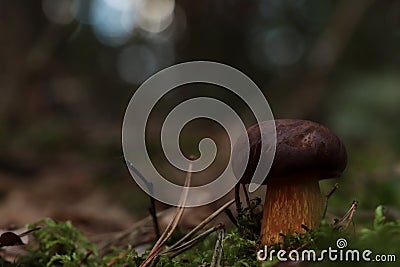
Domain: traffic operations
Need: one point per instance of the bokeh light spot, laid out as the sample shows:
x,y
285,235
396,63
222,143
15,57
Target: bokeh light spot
x,y
58,11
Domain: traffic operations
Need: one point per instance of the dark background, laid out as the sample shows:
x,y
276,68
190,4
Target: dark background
x,y
68,69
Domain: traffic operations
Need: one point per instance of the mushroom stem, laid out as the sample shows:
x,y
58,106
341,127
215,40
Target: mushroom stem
x,y
288,206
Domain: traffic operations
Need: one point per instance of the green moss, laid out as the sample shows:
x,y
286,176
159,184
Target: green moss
x,y
58,244
61,244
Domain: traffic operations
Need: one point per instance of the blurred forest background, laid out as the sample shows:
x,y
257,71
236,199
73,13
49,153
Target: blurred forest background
x,y
68,69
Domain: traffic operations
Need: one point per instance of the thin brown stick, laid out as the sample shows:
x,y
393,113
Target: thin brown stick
x,y
172,224
237,199
203,223
29,231
85,258
232,218
246,195
219,249
344,222
327,197
153,214
390,212
334,188
187,245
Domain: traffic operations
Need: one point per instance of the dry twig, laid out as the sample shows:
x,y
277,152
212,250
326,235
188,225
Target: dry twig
x,y
203,223
343,223
327,197
172,224
175,251
219,249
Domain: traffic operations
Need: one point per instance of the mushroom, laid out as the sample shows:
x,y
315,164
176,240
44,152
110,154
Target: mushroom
x,y
306,152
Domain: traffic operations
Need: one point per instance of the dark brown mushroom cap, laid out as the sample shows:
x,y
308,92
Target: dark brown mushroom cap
x,y
303,149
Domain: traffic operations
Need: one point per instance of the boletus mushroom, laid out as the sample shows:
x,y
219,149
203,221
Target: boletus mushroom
x,y
306,152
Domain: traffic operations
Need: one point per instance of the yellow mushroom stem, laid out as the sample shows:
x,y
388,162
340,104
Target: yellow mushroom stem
x,y
289,205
